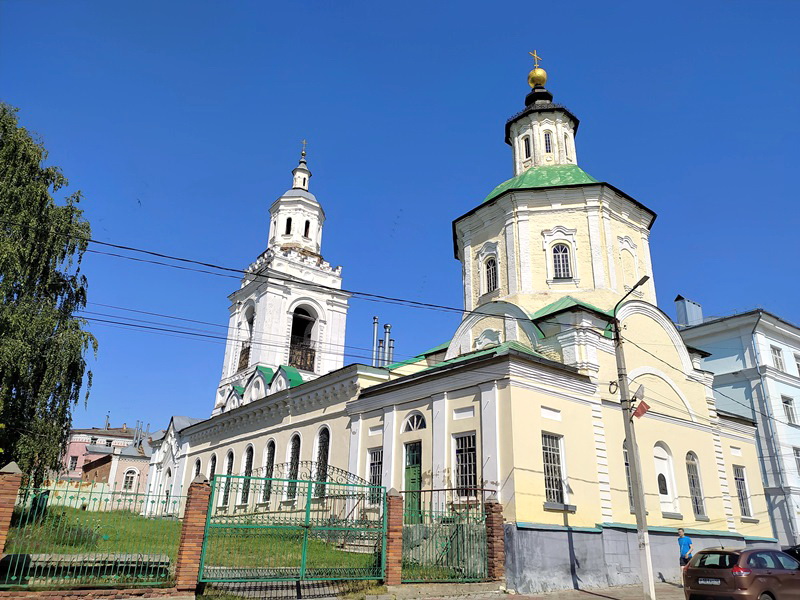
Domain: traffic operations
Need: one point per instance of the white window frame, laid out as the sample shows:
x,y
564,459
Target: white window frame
x,y
245,482
797,459
225,498
135,476
547,140
491,286
562,465
73,462
487,251
797,363
744,503
407,422
672,500
700,494
777,358
561,235
789,410
454,461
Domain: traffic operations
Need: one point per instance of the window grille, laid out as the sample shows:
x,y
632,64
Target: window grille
x,y
466,461
797,459
741,490
628,476
248,472
414,423
788,407
553,480
527,143
548,144
695,491
226,490
323,444
561,268
73,463
127,484
294,466
269,467
212,470
375,474
491,275
777,358
197,467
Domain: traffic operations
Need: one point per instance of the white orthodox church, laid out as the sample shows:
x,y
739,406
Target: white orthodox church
x,y
517,402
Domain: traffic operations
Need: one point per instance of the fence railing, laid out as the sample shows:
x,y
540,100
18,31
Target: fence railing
x,y
434,505
63,538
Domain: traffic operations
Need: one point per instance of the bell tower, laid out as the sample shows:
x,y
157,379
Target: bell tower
x,y
289,313
542,134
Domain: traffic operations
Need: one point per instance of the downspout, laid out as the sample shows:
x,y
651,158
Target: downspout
x,y
771,425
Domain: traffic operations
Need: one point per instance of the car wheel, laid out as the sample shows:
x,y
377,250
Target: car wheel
x,y
766,596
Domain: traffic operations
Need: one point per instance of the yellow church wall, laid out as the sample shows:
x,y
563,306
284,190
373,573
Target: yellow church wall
x,y
741,451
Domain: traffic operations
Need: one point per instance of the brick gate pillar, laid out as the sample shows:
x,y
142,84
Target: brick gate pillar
x,y
495,540
10,480
394,538
187,570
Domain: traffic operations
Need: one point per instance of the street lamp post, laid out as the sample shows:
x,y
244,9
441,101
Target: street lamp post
x,y
646,566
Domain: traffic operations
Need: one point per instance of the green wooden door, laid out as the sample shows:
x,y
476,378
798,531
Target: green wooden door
x,y
413,482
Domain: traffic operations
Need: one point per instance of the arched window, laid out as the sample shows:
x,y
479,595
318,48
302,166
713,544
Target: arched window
x,y
288,226
414,423
167,489
249,328
695,489
294,466
307,229
226,487
561,266
212,467
526,141
269,468
130,479
548,142
248,472
566,146
665,478
628,474
304,180
197,467
323,447
491,275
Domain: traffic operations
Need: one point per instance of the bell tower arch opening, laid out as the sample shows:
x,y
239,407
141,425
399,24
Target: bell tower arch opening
x,y
302,341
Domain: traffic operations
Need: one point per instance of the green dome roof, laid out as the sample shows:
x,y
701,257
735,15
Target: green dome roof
x,y
542,177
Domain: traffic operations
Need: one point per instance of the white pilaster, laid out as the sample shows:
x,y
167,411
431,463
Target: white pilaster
x,y
598,272
354,456
511,255
440,441
525,271
389,448
490,437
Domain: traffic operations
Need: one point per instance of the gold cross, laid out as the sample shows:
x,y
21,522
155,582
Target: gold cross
x,y
304,148
536,59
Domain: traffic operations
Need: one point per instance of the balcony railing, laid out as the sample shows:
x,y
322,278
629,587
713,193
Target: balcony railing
x,y
302,353
244,358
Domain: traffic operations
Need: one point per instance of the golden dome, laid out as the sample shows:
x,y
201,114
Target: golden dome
x,y
537,76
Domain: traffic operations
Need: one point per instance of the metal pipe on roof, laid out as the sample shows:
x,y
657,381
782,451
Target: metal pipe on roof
x,y
380,353
374,341
391,351
387,332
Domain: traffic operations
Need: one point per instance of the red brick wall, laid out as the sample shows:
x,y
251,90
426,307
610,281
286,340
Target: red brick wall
x,y
394,538
10,480
191,546
495,540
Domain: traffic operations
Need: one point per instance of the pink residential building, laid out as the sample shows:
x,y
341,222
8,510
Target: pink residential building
x,y
87,445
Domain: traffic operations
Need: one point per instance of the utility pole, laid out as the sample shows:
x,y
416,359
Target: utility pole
x,y
646,565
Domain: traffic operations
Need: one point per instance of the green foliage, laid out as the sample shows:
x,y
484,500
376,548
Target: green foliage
x,y
42,342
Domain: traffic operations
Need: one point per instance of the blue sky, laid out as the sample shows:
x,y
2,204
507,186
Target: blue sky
x,y
181,122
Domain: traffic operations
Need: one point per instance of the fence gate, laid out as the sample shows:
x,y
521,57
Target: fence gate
x,y
444,536
267,529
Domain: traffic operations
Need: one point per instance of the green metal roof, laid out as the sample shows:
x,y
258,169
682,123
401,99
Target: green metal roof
x,y
496,350
418,357
565,303
266,372
292,374
543,177
238,389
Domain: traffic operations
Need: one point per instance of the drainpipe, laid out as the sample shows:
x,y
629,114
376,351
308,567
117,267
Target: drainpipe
x,y
771,425
374,341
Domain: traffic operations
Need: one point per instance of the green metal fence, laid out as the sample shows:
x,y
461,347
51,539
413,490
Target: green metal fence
x,y
90,535
444,535
266,529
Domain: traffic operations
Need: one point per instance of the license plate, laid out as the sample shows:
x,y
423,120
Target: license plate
x,y
708,581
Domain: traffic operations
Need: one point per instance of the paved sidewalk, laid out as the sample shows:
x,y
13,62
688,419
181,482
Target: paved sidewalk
x,y
664,591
